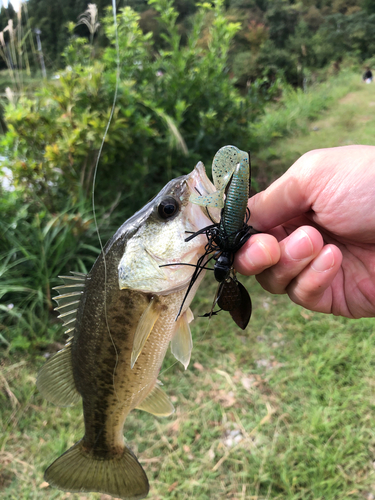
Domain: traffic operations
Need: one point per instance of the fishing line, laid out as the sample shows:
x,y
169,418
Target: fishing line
x,y
93,188
197,266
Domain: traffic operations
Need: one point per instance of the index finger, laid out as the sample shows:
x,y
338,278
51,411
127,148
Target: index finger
x,y
283,200
319,174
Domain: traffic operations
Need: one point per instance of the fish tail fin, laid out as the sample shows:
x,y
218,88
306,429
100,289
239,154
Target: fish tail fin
x,y
76,470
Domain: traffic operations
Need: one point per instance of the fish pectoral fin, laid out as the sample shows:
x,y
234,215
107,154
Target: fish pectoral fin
x,y
76,471
157,403
55,380
145,325
182,343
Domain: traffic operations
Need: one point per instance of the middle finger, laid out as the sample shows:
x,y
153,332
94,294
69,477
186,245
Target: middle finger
x,y
296,252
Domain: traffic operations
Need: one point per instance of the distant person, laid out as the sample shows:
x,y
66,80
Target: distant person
x,y
367,75
318,240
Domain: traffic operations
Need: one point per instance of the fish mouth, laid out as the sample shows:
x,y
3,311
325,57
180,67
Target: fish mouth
x,y
198,218
200,184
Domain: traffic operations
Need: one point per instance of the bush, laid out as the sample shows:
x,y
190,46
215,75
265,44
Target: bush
x,y
172,108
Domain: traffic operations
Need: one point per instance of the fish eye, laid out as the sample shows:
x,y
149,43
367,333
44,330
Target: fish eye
x,y
168,207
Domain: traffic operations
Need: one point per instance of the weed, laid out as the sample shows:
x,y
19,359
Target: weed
x,y
37,246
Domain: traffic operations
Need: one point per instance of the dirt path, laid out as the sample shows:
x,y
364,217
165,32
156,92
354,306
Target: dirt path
x,y
351,120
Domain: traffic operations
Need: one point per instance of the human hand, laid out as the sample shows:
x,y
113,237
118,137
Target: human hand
x,y
320,220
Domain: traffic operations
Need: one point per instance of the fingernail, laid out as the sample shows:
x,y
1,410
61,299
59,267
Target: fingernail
x,y
324,261
299,245
256,254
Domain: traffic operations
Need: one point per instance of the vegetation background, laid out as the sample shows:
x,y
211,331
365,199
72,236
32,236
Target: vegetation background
x,y
284,410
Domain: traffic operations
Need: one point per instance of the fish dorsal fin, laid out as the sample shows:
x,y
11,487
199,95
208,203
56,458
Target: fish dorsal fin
x,y
157,403
55,380
182,343
145,325
70,294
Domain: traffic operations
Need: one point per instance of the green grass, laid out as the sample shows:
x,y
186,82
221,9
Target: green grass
x,y
295,390
304,123
297,107
284,410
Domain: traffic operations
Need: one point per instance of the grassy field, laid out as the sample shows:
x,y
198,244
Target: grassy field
x,y
350,119
284,410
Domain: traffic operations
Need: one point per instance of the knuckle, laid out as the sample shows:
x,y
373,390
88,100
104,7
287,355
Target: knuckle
x,y
306,165
272,282
305,296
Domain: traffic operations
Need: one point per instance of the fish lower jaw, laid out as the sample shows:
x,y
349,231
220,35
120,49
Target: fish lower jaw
x,y
201,217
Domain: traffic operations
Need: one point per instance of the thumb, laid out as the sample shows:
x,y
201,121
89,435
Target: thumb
x,y
286,198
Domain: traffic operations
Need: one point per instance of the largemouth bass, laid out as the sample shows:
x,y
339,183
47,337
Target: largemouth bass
x,y
121,318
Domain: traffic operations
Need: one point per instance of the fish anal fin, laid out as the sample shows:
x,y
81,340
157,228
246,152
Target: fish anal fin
x,y
77,470
182,343
145,325
157,403
55,380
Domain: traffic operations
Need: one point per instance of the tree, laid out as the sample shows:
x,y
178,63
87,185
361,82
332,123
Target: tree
x,y
281,19
368,6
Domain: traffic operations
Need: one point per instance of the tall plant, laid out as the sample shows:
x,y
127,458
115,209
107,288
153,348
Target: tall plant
x,y
36,246
90,19
17,48
195,86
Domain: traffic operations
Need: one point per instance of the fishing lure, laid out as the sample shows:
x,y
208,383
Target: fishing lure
x,y
231,172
